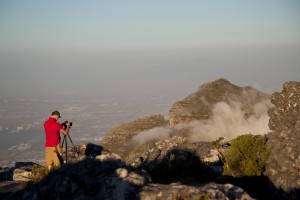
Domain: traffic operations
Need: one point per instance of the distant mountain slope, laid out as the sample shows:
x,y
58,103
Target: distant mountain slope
x,y
198,105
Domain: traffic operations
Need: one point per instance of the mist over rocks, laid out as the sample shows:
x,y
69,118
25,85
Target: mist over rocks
x,y
221,109
283,167
218,109
119,139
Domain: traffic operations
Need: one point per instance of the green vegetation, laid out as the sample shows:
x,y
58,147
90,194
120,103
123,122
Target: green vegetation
x,y
38,173
247,156
203,196
217,143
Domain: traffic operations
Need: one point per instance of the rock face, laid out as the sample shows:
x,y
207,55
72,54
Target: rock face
x,y
118,139
198,106
283,167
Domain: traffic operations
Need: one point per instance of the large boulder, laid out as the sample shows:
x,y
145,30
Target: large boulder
x,y
158,151
81,151
283,167
118,140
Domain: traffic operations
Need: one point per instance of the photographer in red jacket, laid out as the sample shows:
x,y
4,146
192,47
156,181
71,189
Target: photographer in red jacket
x,y
53,150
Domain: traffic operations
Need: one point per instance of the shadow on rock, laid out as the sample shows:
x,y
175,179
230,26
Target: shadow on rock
x,y
178,166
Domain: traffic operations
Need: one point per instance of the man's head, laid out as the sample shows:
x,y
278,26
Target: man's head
x,y
56,114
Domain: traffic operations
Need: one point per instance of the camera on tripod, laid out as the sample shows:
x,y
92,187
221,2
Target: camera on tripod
x,y
64,125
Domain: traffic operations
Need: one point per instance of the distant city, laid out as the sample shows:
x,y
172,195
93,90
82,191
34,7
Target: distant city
x,y
21,120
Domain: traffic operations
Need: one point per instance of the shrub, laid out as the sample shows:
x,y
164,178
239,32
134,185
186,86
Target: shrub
x,y
246,156
37,174
217,143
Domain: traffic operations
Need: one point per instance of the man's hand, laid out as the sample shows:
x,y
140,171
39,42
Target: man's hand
x,y
68,124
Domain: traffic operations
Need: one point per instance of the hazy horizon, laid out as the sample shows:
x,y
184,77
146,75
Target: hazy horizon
x,y
137,47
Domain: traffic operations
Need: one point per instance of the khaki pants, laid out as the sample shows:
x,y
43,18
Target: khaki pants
x,y
53,155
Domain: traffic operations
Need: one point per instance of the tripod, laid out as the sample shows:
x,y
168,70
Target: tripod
x,y
65,141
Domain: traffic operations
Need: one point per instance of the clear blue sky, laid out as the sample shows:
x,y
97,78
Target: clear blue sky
x,y
94,42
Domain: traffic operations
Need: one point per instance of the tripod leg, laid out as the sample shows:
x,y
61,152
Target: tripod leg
x,y
66,149
62,144
77,151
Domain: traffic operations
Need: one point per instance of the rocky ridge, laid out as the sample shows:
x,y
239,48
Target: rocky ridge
x,y
118,140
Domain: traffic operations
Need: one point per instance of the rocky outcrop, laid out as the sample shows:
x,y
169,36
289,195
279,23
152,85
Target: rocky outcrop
x,y
179,191
106,177
118,140
283,167
198,105
153,151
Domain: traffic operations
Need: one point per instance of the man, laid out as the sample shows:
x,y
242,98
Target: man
x,y
52,146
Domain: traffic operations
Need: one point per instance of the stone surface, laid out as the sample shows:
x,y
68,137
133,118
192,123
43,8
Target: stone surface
x,y
283,167
118,140
21,174
198,105
9,187
179,191
153,151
